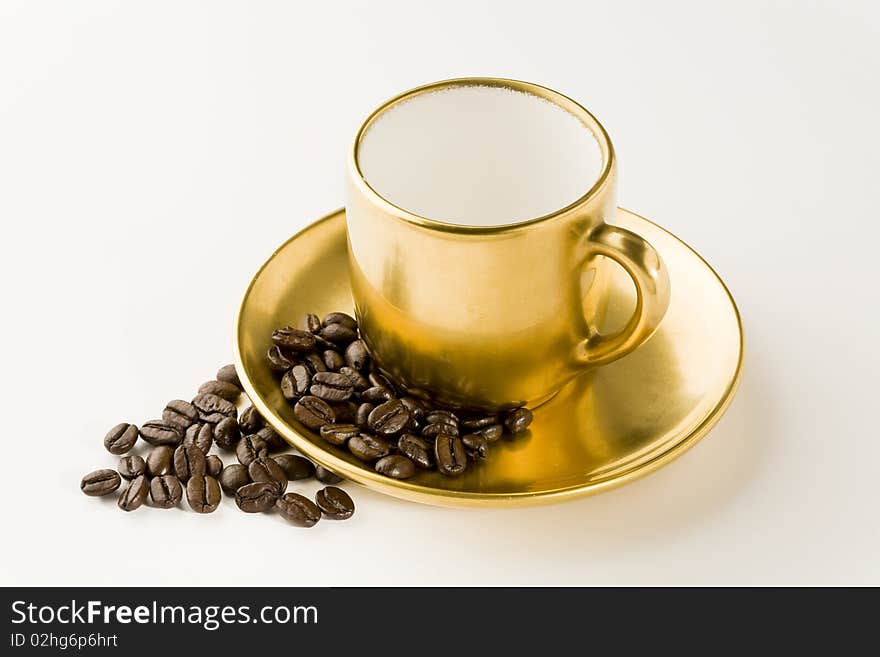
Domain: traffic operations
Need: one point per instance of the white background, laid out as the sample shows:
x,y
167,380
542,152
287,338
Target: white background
x,y
153,154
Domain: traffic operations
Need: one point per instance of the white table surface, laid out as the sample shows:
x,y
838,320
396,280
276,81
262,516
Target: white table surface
x,y
153,154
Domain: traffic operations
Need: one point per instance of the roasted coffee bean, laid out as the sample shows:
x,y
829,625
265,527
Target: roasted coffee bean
x,y
180,414
157,432
295,467
480,422
189,462
441,417
518,420
377,379
131,466
476,446
362,419
335,503
250,420
295,382
358,380
256,497
368,448
209,404
433,430
201,436
346,412
267,469
333,360
325,476
338,334
396,467
491,433
341,318
338,434
298,510
135,494
249,449
213,419
414,406
312,323
228,391
165,491
356,355
227,374
203,493
213,465
450,455
121,438
313,412
389,418
377,395
160,460
278,360
273,440
227,433
416,449
314,362
293,339
331,386
233,477
100,482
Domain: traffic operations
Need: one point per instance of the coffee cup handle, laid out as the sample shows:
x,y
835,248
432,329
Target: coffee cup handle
x,y
645,266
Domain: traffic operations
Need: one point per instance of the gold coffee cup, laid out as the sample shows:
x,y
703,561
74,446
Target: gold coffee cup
x,y
495,316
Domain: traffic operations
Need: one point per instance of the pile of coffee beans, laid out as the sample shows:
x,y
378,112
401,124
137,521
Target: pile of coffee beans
x,y
179,462
326,373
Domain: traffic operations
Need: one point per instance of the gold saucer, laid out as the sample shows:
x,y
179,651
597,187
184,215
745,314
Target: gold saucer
x,y
606,428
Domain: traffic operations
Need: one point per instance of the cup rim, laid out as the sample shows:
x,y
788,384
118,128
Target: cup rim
x,y
561,100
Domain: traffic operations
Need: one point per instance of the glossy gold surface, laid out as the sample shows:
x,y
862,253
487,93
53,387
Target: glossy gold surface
x,y
496,316
608,426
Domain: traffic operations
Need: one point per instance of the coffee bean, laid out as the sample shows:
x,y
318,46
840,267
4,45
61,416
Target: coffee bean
x,y
295,383
213,418
362,419
267,469
227,433
417,449
379,380
338,334
131,466
273,440
293,339
396,467
356,355
313,412
295,467
389,418
203,493
335,503
256,497
312,323
213,465
189,462
121,438
249,449
233,477
201,436
227,391
341,318
346,412
180,414
476,446
338,434
518,420
160,460
157,432
433,430
480,422
227,374
450,455
209,404
333,360
377,395
314,362
135,494
250,420
491,433
325,476
278,360
358,380
100,482
441,417
414,406
298,510
165,491
331,386
368,448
